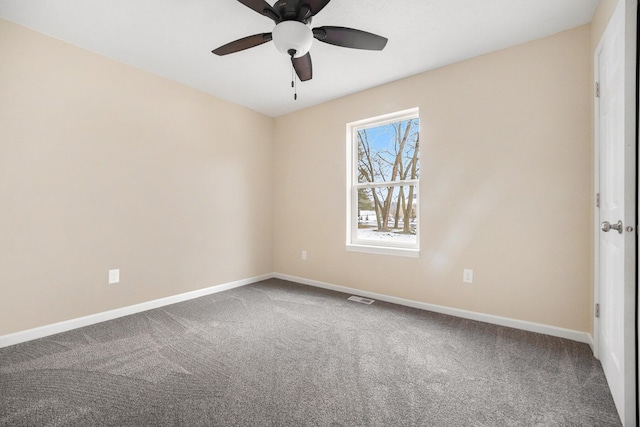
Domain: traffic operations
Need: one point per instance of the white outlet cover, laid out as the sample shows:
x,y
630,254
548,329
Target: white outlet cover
x,y
467,276
114,276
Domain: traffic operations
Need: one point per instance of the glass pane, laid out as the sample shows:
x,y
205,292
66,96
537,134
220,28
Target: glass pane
x,y
389,152
387,215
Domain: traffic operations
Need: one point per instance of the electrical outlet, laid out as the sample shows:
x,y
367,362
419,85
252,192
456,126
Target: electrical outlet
x,y
304,255
114,276
467,276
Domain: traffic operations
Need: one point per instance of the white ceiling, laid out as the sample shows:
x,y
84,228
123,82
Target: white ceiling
x,y
174,39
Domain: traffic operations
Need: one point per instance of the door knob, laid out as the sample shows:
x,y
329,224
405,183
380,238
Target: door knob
x,y
606,226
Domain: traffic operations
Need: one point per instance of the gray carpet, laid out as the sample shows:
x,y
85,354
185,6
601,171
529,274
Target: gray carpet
x,y
281,354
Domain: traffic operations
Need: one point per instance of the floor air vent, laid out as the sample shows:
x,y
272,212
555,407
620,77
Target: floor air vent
x,y
361,300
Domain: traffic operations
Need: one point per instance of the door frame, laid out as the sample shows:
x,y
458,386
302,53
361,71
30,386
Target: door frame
x,y
630,416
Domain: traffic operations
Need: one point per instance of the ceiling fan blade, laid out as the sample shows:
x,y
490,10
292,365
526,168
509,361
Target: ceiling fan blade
x,y
303,68
348,37
242,44
315,5
263,8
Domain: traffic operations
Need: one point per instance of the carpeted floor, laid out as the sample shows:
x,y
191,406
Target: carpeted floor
x,y
277,353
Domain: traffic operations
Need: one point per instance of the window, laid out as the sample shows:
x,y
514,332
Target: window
x,y
383,184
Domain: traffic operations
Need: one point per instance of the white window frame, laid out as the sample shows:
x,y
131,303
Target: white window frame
x,y
376,247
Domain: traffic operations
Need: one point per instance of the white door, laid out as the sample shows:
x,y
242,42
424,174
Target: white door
x,y
616,241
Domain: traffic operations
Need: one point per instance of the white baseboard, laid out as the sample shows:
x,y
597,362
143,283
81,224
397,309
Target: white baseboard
x,y
592,344
554,331
56,328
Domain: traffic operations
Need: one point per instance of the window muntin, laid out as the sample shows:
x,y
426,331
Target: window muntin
x,y
384,171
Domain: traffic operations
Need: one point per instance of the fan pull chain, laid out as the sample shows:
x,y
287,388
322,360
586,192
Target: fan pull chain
x,y
294,83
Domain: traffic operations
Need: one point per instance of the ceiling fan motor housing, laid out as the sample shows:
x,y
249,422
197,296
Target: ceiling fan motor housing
x,y
291,36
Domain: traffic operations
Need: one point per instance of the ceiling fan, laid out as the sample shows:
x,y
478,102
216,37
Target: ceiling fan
x,y
293,35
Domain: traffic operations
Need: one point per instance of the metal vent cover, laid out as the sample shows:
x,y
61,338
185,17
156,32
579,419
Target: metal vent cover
x,y
361,300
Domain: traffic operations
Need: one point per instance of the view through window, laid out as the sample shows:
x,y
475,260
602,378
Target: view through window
x,y
384,178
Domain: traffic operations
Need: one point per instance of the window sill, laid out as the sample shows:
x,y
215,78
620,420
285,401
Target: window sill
x,y
384,250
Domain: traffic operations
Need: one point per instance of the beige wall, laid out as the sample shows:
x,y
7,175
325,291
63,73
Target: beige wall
x,y
105,166
505,186
600,21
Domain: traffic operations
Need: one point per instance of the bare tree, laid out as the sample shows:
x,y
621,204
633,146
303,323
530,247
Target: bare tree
x,y
367,171
408,205
398,162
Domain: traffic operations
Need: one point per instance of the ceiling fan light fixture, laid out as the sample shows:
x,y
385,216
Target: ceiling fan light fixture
x,y
292,36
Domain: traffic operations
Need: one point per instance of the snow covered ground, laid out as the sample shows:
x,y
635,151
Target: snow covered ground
x,y
389,236
367,219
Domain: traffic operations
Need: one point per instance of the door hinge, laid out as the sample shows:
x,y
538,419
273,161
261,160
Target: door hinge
x,y
597,200
597,310
597,89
